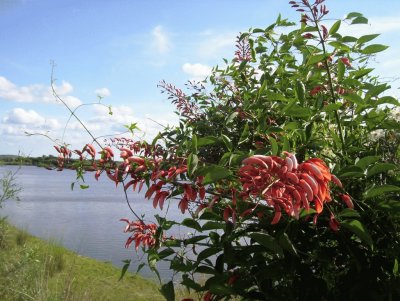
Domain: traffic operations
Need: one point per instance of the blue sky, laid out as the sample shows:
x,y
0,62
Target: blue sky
x,y
122,49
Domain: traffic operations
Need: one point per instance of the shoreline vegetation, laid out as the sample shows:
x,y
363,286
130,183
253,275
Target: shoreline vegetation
x,y
48,161
34,269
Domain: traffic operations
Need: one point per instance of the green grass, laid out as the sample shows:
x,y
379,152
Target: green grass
x,y
32,269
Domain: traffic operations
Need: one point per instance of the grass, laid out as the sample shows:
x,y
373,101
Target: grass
x,y
32,269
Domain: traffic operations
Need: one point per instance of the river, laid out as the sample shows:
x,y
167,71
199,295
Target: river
x,y
83,220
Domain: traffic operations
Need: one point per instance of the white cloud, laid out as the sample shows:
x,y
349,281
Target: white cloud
x,y
102,92
37,93
217,45
161,41
375,25
197,71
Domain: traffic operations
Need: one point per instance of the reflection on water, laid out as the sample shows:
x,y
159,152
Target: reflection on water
x,y
86,221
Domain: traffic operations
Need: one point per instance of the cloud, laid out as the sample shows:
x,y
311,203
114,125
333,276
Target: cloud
x,y
22,119
375,25
197,71
217,45
37,93
161,42
102,92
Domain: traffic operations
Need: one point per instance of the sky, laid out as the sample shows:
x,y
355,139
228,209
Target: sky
x,y
120,50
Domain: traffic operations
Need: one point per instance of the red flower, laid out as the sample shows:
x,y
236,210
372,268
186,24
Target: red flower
x,y
346,61
286,185
141,233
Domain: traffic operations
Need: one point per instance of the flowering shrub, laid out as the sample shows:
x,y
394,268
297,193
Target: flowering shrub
x,y
256,161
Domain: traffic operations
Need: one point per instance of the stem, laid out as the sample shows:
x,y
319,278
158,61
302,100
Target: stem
x,y
330,82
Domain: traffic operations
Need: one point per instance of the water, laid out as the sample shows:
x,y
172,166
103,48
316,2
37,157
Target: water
x,y
85,221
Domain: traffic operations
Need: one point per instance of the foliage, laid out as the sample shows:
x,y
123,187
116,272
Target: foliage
x,y
254,160
9,189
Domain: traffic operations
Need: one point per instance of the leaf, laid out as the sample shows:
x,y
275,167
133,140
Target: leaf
x,y
207,253
286,244
227,141
349,213
360,73
214,173
360,20
300,91
332,107
274,146
245,134
191,223
313,59
355,98
193,162
84,186
124,268
231,117
72,185
165,253
206,141
380,190
335,27
367,38
213,225
387,99
297,111
351,171
374,49
396,267
367,161
268,242
359,230
167,290
353,15
194,143
341,70
380,168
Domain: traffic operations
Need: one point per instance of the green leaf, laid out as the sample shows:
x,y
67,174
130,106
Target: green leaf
x,y
335,27
194,143
165,253
380,168
380,190
351,171
214,173
360,20
167,290
300,91
231,117
354,98
274,146
72,185
213,225
313,59
367,38
297,111
227,141
194,239
268,242
124,268
359,230
206,253
396,267
262,89
348,213
332,107
245,134
206,141
374,49
388,100
341,70
191,223
193,161
364,162
84,186
360,73
286,244
353,15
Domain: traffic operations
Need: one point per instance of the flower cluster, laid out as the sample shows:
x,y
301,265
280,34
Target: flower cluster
x,y
141,233
284,184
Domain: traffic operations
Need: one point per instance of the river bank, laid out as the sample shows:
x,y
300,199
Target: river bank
x,y
33,269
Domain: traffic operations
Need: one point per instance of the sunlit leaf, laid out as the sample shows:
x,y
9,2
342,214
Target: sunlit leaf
x,y
359,230
374,49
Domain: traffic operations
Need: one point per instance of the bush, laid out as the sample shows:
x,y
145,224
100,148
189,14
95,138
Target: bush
x,y
287,161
